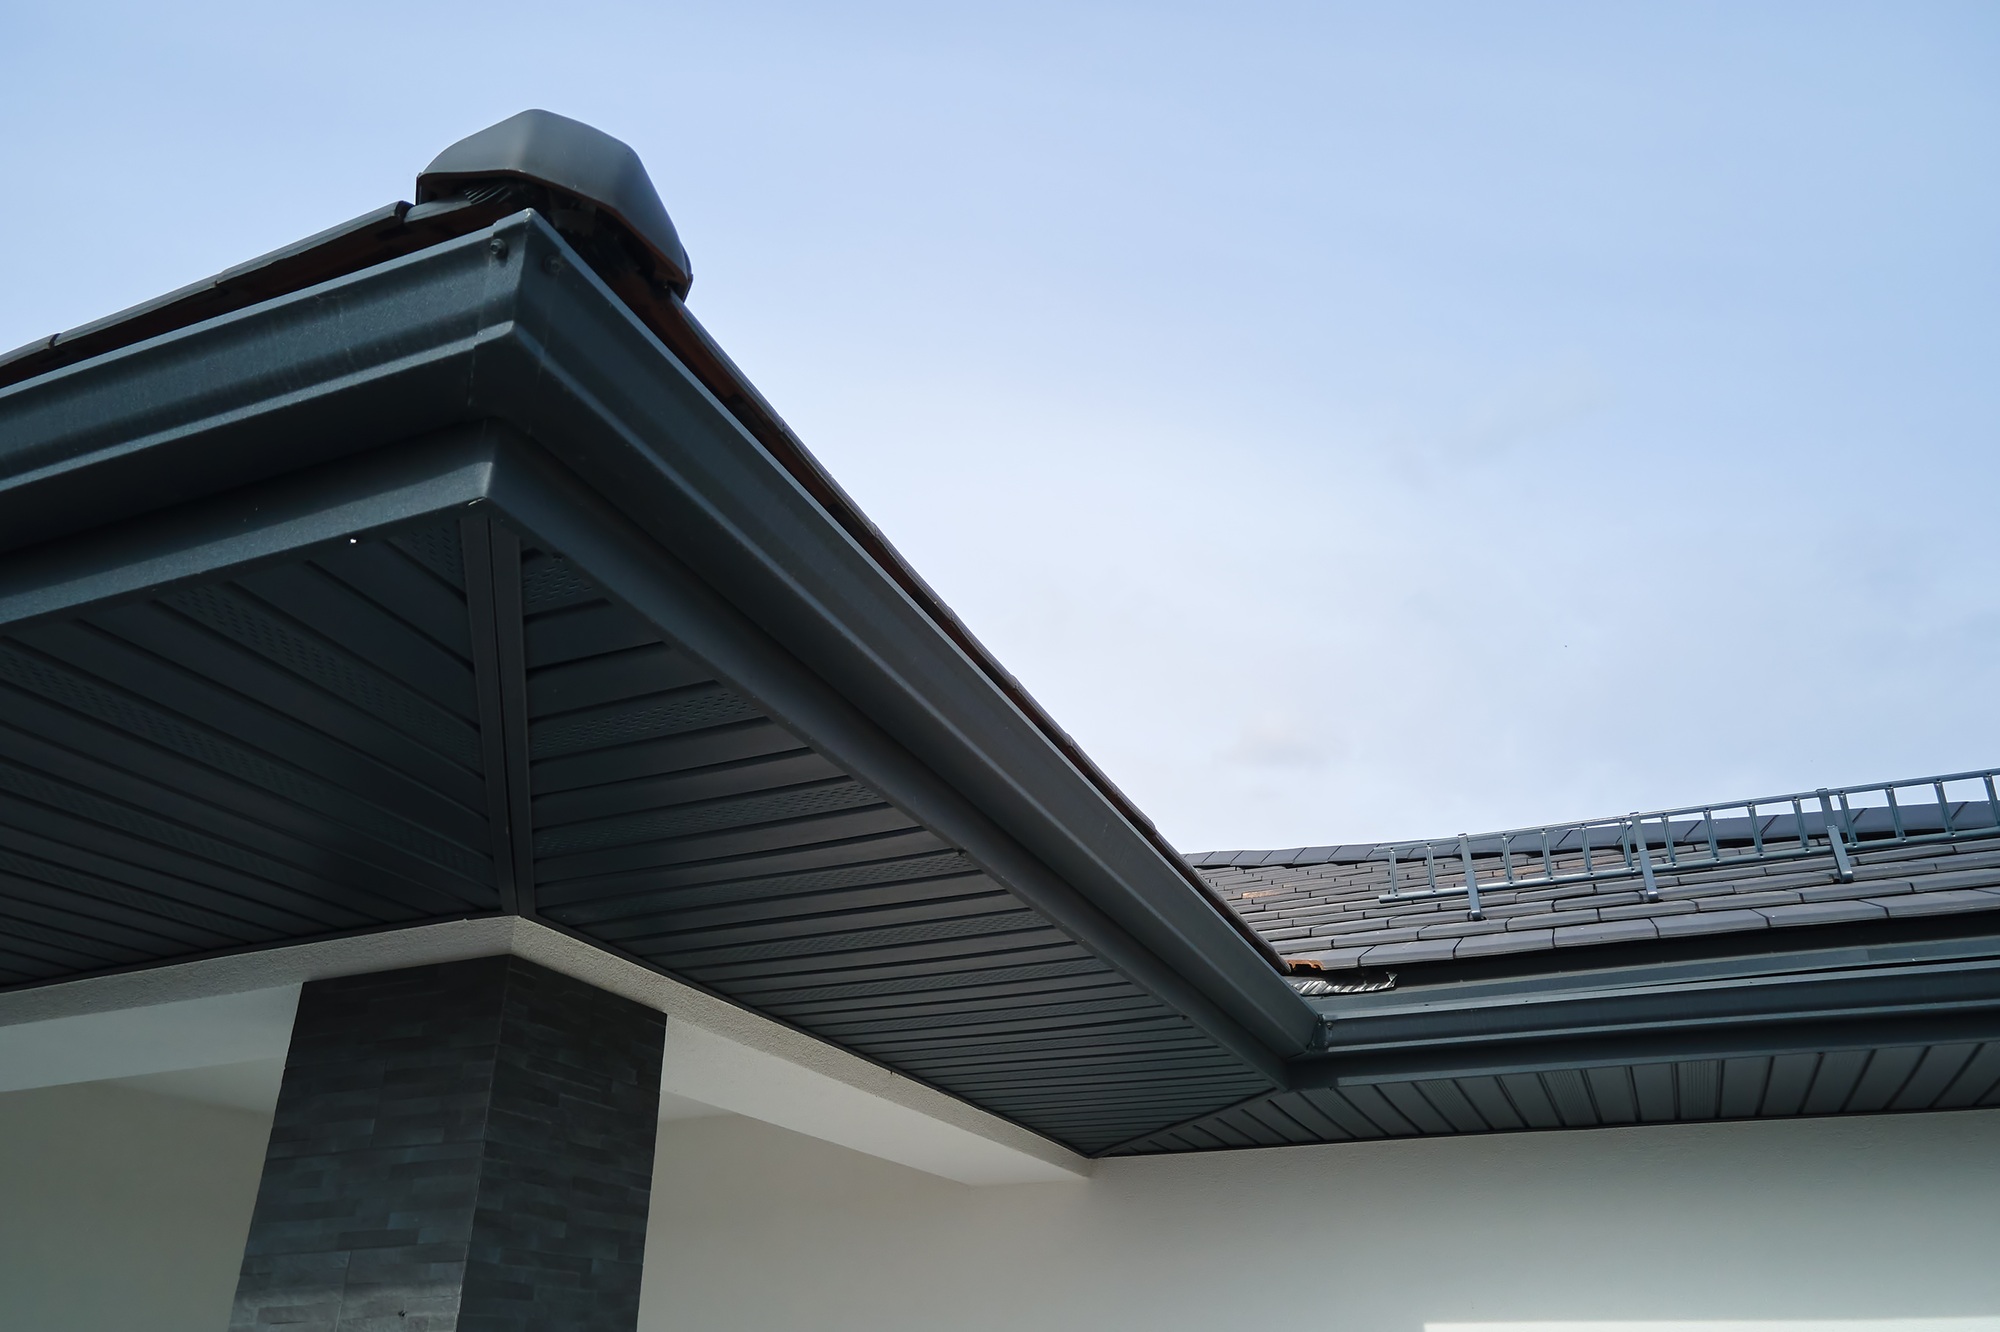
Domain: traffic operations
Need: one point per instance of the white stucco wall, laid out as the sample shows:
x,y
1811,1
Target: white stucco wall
x,y
1862,1218
122,1210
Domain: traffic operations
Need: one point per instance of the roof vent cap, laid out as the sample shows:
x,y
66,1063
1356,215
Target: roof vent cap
x,y
573,158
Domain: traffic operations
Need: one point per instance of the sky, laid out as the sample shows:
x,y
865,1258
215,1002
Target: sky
x,y
1350,421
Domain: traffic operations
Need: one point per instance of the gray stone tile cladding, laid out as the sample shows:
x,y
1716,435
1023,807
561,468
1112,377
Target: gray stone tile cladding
x,y
457,1148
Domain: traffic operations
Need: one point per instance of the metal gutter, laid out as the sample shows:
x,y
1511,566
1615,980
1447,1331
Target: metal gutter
x,y
1494,1022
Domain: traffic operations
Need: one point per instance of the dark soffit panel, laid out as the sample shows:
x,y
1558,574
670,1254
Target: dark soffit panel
x,y
211,768
1910,1064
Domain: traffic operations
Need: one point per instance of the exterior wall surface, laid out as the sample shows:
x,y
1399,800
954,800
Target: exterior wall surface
x,y
1889,1217
119,1209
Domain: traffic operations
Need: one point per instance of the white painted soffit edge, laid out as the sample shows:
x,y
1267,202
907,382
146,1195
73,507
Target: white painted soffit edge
x,y
232,1009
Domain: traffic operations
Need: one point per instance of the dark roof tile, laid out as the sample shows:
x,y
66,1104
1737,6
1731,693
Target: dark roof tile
x,y
1455,928
1834,892
1368,937
1609,931
1710,922
1937,904
1332,958
1509,941
1957,877
1548,919
1646,910
1740,900
1419,950
1822,913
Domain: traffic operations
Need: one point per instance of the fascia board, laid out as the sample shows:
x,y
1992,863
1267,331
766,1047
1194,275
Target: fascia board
x,y
1969,988
1632,1048
508,324
334,370
273,522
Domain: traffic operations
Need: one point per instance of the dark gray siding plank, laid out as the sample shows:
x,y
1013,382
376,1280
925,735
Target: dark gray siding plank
x,y
403,587
1611,1092
280,693
1834,1081
845,854
1380,1110
1314,1121
653,758
235,615
1791,1079
1743,1084
1491,1102
590,681
1412,1105
1698,1085
1570,1096
335,612
1980,1075
711,782
99,659
577,632
1336,1107
1885,1076
1941,1064
1531,1099
1444,1096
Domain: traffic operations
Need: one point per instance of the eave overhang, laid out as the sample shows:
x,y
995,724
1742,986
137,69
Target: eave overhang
x,y
491,391
1845,1022
495,377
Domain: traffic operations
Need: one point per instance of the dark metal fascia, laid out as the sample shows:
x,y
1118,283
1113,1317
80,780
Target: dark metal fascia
x,y
375,237
273,522
1627,1049
1932,990
335,370
505,324
1934,944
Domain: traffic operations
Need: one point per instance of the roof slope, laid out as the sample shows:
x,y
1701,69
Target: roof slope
x,y
1323,908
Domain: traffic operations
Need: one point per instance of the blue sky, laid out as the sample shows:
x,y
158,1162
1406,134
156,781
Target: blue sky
x,y
1350,421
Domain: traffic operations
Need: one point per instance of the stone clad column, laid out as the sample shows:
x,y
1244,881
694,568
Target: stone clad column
x,y
458,1148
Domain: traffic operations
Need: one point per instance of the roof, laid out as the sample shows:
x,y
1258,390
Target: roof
x,y
1323,908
